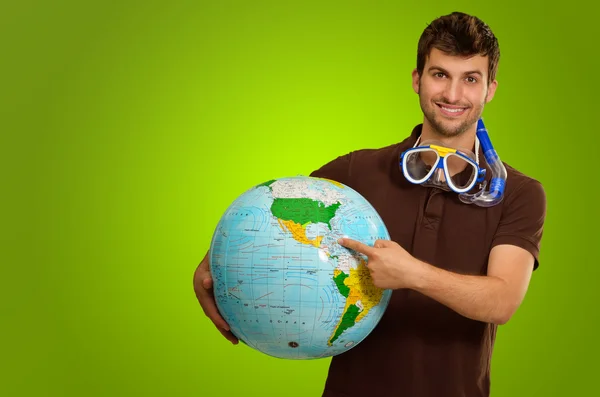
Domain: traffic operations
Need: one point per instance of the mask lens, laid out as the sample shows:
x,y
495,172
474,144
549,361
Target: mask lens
x,y
467,171
418,164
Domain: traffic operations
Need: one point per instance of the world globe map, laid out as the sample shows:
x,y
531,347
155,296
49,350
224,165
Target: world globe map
x,y
282,282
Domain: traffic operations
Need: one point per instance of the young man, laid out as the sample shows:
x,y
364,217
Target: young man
x,y
458,270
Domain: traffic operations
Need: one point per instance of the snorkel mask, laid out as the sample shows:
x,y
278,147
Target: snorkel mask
x,y
431,163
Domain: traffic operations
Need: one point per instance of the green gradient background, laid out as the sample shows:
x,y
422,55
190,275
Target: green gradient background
x,y
127,129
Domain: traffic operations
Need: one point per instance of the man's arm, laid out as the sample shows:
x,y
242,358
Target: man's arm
x,y
493,298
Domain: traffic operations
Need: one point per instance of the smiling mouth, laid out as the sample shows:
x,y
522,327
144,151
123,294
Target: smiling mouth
x,y
451,110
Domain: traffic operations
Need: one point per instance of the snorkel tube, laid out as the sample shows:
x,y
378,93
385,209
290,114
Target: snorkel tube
x,y
495,194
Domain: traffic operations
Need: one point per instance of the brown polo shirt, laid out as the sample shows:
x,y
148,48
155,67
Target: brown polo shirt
x,y
422,348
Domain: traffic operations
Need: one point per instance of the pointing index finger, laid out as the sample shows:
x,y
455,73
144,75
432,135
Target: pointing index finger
x,y
356,246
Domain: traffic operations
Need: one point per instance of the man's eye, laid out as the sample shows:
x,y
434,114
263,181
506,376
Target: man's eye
x,y
439,74
471,79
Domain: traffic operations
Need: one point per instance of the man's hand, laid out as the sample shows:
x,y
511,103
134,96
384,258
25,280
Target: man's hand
x,y
204,293
390,265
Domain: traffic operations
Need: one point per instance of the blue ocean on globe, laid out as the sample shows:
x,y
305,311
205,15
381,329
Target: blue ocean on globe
x,y
282,282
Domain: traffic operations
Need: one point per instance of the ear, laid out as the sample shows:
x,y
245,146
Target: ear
x,y
415,80
491,91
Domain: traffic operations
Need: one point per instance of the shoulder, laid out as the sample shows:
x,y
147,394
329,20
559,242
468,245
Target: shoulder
x,y
366,162
523,189
357,162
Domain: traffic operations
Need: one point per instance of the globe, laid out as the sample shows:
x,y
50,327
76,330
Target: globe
x,y
282,282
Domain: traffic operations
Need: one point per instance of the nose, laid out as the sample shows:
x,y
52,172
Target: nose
x,y
453,91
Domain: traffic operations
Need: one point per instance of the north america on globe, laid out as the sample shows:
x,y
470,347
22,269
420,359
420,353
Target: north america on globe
x,y
281,280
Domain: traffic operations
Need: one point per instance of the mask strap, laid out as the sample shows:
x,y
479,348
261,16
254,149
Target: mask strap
x,y
417,142
476,147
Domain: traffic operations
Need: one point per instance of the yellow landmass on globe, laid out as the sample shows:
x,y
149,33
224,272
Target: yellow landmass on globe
x,y
357,286
336,183
298,232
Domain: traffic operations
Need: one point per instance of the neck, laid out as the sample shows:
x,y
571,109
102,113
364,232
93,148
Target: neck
x,y
465,140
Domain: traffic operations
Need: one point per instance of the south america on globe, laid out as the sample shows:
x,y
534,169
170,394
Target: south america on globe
x,y
282,282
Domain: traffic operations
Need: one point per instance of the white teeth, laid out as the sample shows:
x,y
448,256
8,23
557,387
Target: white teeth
x,y
452,110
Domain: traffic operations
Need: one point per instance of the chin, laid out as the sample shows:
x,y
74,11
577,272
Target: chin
x,y
450,129
454,127
451,133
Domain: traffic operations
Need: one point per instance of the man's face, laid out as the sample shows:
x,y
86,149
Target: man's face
x,y
453,91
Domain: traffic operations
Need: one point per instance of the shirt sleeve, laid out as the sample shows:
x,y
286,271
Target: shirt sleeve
x,y
523,217
337,170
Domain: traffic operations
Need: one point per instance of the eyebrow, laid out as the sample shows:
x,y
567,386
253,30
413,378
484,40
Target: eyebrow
x,y
441,69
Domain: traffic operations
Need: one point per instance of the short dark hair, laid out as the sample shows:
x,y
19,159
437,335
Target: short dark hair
x,y
459,34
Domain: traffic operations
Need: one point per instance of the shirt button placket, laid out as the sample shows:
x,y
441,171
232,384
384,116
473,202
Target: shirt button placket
x,y
427,233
